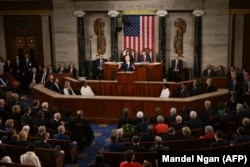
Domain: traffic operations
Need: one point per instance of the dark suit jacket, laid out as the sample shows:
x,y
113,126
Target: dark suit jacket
x,y
142,127
219,143
41,144
183,93
155,148
55,88
179,65
212,73
53,124
115,147
195,91
148,58
167,137
211,88
125,67
131,58
206,114
64,70
26,119
222,122
194,123
137,148
147,137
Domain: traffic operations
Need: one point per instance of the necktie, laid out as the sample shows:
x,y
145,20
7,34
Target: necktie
x,y
127,66
144,58
43,78
176,63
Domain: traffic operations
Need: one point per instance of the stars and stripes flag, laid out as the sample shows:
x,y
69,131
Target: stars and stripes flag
x,y
139,33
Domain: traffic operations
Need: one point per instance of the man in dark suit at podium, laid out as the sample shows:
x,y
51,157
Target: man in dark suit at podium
x,y
99,64
176,68
127,65
144,57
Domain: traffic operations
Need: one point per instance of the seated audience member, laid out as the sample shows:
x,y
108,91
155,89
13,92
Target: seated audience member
x,y
165,91
42,143
149,136
26,119
170,135
129,157
144,57
160,127
194,122
9,123
209,72
56,121
26,129
138,119
136,145
67,90
82,131
61,68
120,137
207,113
220,72
178,125
232,70
232,103
39,119
22,139
16,113
55,86
184,91
45,109
143,126
30,157
246,124
41,129
49,81
66,117
196,89
50,69
124,119
35,107
185,113
209,87
172,118
114,146
61,135
219,141
72,70
240,112
128,65
186,131
209,132
158,145
3,156
243,137
86,90
99,161
11,137
153,120
221,124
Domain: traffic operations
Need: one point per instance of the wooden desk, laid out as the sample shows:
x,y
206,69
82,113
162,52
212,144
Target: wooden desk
x,y
143,72
107,109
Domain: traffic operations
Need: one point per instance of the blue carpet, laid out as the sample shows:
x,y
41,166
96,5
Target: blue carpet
x,y
102,134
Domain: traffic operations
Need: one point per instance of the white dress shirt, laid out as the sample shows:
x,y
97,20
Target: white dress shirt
x,y
87,91
165,93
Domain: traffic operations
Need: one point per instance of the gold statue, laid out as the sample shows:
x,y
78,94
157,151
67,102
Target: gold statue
x,y
180,29
99,31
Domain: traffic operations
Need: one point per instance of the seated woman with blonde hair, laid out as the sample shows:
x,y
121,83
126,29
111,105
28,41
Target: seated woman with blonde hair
x,y
67,90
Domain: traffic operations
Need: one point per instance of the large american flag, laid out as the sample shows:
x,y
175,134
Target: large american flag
x,y
139,33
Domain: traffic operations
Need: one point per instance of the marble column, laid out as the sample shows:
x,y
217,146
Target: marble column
x,y
81,44
162,40
197,43
114,35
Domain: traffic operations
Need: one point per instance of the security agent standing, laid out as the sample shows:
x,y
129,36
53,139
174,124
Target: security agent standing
x,y
176,68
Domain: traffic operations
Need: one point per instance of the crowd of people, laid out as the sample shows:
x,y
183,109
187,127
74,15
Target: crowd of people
x,y
21,120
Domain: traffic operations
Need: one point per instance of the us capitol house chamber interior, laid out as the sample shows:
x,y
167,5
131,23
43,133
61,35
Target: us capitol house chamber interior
x,y
127,50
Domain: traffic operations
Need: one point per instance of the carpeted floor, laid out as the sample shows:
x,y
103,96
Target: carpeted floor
x,y
102,133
